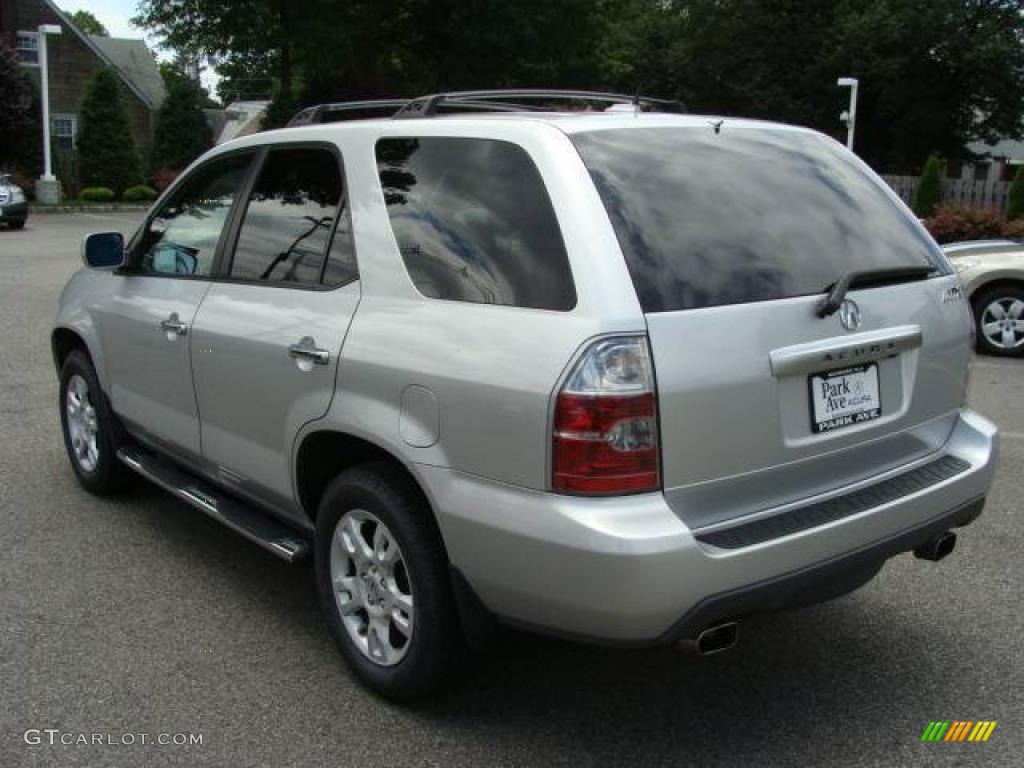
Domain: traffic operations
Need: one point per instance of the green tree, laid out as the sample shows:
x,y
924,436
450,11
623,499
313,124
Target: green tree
x,y
230,29
16,114
88,23
182,133
929,189
106,148
1015,206
935,74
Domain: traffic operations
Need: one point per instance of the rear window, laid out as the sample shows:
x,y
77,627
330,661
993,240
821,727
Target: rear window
x,y
742,215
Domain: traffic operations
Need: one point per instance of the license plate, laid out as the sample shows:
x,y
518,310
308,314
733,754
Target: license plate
x,y
844,398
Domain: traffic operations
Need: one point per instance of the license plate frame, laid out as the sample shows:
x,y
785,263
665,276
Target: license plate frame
x,y
829,408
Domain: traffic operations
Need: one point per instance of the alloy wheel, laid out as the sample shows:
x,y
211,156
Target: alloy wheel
x,y
1002,322
83,423
372,588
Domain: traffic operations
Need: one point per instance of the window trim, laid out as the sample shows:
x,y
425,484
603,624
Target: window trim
x,y
18,48
71,118
130,268
382,199
222,271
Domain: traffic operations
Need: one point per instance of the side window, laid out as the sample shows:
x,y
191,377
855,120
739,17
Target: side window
x,y
182,237
289,219
474,222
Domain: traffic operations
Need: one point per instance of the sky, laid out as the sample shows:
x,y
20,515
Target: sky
x,y
115,15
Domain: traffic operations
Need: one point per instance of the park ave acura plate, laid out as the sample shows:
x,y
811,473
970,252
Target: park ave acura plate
x,y
845,397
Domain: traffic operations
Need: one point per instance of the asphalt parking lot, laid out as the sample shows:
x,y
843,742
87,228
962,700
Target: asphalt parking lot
x,y
140,615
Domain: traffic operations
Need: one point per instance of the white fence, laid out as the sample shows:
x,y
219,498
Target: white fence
x,y
973,194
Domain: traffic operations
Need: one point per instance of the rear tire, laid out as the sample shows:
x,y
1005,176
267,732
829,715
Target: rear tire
x,y
91,431
999,320
383,582
16,224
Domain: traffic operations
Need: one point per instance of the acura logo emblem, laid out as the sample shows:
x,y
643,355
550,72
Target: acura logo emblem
x,y
849,315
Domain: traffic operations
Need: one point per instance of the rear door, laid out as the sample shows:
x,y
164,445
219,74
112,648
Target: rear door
x,y
732,237
145,325
268,336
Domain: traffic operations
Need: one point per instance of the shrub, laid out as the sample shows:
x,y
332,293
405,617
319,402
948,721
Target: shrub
x,y
162,178
929,190
951,224
140,193
1015,208
106,149
97,194
1014,229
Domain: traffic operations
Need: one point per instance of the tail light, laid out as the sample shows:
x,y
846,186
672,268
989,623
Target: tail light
x,y
605,428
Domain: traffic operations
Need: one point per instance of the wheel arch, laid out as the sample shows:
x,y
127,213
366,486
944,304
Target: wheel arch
x,y
997,281
62,341
322,454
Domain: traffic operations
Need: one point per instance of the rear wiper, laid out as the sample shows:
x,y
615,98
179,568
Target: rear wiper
x,y
859,279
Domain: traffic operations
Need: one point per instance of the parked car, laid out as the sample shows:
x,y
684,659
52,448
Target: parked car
x,y
993,275
13,206
620,377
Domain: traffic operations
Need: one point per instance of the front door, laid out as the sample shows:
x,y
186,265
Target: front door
x,y
267,339
146,323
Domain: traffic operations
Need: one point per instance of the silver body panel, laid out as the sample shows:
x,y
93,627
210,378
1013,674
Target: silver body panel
x,y
253,396
461,395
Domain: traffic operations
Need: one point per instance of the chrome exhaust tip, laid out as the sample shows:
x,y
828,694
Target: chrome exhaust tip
x,y
717,638
937,548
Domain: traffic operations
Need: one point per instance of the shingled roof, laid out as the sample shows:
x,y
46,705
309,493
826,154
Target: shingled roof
x,y
133,60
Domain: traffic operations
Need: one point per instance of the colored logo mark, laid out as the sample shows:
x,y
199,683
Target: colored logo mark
x,y
958,730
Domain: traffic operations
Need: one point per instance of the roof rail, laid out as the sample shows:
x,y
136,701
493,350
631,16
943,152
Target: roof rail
x,y
346,110
519,100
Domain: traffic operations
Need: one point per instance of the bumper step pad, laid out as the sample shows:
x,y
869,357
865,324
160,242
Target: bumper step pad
x,y
830,510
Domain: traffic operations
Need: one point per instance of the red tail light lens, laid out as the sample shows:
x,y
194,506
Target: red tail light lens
x,y
605,432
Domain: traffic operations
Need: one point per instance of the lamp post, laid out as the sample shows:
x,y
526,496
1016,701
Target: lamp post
x,y
850,116
48,190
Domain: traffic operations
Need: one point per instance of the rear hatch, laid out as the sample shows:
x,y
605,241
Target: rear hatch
x,y
733,237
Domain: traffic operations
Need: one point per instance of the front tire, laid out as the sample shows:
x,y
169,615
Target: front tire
x,y
383,583
91,431
999,321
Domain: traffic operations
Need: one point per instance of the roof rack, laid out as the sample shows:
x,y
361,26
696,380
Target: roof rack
x,y
512,100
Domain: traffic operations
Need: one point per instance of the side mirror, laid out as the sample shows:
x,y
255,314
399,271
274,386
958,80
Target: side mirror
x,y
103,250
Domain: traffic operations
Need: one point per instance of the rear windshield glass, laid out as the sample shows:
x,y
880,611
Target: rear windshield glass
x,y
742,215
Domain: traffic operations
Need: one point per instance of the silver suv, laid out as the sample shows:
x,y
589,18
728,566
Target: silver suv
x,y
620,376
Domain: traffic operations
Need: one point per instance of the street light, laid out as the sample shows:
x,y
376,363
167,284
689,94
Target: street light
x,y
849,117
50,189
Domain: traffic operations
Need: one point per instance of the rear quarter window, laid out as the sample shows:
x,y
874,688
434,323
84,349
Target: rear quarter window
x,y
741,215
474,222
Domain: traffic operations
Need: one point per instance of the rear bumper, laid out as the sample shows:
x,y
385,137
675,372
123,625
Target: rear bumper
x,y
13,212
629,571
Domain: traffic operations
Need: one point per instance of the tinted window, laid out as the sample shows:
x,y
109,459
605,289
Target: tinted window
x,y
289,219
709,218
182,237
474,223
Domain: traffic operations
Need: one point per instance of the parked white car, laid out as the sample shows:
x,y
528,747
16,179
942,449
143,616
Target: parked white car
x,y
992,272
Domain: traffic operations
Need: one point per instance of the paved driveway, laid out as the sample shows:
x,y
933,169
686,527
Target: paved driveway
x,y
140,615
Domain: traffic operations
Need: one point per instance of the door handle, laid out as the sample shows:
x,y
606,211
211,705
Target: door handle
x,y
306,349
173,326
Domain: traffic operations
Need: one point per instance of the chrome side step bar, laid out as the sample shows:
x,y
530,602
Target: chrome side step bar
x,y
255,525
